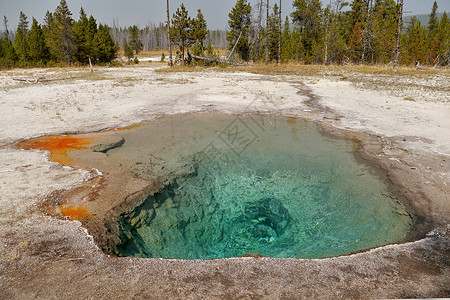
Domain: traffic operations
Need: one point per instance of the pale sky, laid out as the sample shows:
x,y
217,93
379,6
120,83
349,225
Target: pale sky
x,y
141,12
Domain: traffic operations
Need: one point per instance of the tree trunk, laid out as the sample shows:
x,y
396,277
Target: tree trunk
x,y
366,35
257,39
259,28
90,64
327,34
234,47
300,42
267,34
182,53
168,35
279,36
399,32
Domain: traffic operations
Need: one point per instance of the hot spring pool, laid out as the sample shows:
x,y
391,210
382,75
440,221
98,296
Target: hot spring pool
x,y
268,185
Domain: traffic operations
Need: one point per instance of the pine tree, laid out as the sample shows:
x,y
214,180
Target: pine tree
x,y
48,23
38,51
433,22
444,40
286,53
239,23
300,16
182,32
20,46
433,35
355,43
337,44
48,29
307,16
274,20
23,23
135,39
128,52
81,38
5,25
415,43
384,30
8,56
91,32
200,29
359,11
62,32
105,48
356,25
20,41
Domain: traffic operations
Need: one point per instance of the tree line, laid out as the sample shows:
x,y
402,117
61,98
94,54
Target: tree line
x,y
154,37
360,32
60,40
365,31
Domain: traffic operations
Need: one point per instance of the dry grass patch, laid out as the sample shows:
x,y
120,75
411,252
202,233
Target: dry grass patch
x,y
147,53
274,69
402,71
311,70
182,69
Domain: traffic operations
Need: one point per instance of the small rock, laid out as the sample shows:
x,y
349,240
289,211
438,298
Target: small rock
x,y
109,146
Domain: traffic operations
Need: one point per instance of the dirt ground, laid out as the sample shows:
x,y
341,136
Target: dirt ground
x,y
401,121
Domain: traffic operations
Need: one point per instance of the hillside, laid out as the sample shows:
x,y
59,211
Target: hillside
x,y
422,18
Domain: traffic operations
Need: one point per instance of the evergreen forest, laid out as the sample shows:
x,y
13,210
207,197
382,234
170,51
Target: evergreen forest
x,y
335,32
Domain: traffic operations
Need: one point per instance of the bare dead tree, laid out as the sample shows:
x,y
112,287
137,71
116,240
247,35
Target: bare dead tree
x,y
367,31
257,40
168,35
279,36
399,32
327,34
260,20
267,34
234,47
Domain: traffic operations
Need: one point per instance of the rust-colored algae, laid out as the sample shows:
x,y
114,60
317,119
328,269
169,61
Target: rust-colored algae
x,y
75,212
58,145
129,127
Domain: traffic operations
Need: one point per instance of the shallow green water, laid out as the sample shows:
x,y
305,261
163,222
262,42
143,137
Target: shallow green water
x,y
261,185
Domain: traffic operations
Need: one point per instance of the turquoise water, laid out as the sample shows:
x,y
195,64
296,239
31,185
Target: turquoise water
x,y
256,185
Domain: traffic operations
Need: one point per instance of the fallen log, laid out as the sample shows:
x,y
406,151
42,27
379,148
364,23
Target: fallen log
x,y
43,79
216,60
40,79
420,67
